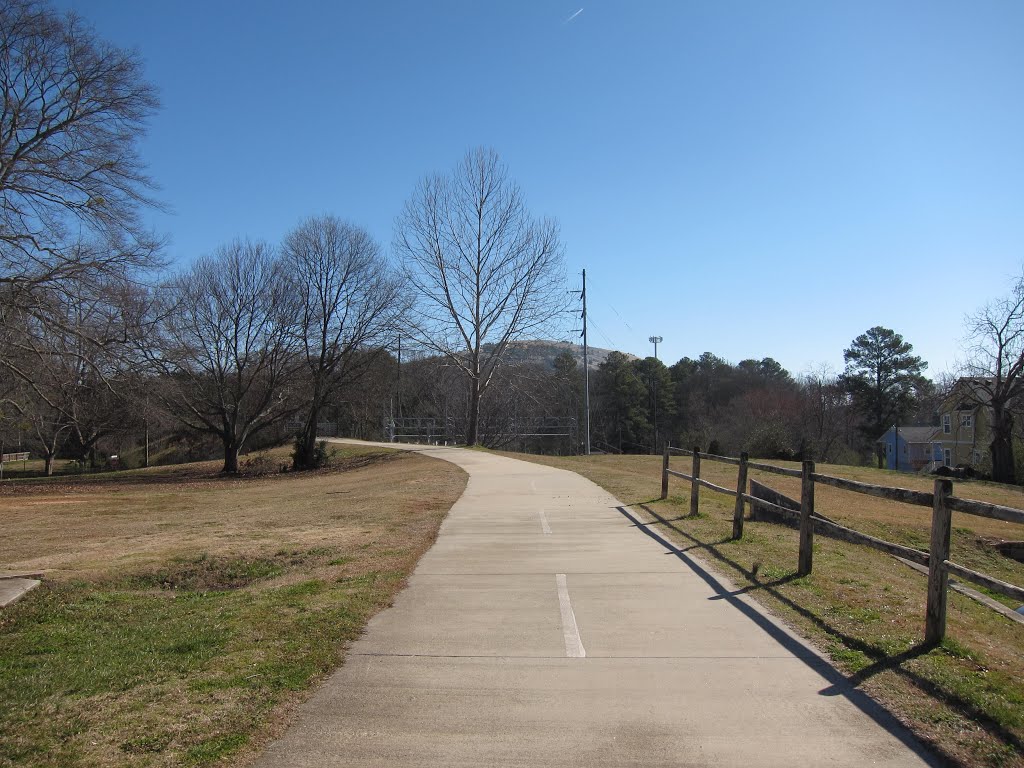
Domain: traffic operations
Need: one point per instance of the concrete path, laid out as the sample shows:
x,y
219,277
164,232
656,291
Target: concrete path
x,y
544,628
14,586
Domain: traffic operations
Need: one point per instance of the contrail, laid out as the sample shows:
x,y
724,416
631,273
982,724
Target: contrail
x,y
573,16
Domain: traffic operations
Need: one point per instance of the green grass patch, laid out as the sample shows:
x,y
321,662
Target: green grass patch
x,y
79,645
215,749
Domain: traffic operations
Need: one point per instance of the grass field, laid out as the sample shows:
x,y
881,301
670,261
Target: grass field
x,y
861,607
184,614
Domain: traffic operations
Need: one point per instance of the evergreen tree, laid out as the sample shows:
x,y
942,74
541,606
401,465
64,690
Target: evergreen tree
x,y
622,413
883,379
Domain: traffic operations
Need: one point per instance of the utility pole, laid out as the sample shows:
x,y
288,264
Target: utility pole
x,y
586,369
655,340
896,446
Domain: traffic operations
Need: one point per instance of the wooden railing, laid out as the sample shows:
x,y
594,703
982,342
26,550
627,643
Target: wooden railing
x,y
941,501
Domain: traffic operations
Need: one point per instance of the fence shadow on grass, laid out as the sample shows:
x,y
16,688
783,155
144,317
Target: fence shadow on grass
x,y
840,685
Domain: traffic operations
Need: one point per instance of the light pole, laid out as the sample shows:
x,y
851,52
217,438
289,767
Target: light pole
x,y
655,340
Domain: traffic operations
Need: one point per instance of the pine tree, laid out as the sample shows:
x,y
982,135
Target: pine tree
x,y
883,379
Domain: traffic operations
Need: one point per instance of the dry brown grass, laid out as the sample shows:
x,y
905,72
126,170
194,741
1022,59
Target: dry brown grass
x,y
95,526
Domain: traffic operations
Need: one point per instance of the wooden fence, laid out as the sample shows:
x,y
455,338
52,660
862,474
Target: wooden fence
x,y
942,502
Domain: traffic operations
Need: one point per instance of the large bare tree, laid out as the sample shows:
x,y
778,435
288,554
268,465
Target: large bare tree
x,y
222,347
73,110
484,271
996,367
348,303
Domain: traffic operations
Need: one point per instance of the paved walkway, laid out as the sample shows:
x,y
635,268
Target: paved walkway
x,y
544,628
13,587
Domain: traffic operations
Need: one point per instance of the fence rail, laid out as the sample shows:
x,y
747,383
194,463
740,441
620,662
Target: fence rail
x,y
905,495
941,501
786,471
994,584
984,509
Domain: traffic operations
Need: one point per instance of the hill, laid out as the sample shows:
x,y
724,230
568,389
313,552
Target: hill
x,y
544,352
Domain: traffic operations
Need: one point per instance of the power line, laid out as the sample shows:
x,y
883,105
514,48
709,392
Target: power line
x,y
628,326
608,341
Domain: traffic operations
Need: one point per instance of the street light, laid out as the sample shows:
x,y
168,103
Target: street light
x,y
655,340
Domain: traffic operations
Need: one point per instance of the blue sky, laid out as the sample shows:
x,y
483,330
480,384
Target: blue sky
x,y
747,178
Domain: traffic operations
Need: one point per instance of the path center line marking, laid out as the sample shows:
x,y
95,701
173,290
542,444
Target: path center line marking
x,y
544,521
570,632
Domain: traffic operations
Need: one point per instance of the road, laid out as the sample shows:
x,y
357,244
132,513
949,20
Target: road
x,y
545,627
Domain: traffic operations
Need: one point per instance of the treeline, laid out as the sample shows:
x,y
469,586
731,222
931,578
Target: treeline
x,y
243,345
754,405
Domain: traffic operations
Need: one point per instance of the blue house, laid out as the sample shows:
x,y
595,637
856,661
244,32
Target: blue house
x,y
911,449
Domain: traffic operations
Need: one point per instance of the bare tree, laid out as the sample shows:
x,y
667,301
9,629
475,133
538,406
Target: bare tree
x,y
66,368
45,429
996,366
484,271
348,304
825,414
73,110
224,348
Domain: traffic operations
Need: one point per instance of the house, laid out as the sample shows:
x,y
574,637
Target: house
x,y
909,449
962,437
963,431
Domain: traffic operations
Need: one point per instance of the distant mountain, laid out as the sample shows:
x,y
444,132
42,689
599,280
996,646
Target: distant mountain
x,y
543,352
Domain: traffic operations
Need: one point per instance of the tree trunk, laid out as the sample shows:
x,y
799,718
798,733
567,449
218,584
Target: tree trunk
x,y
48,465
230,455
305,445
1003,468
473,427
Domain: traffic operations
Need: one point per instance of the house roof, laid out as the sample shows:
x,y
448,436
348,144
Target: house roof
x,y
967,394
911,434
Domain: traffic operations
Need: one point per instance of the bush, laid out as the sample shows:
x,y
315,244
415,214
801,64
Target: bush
x,y
322,455
770,441
258,464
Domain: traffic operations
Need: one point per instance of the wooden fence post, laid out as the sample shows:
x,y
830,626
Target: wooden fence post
x,y
694,485
806,524
664,473
741,488
938,553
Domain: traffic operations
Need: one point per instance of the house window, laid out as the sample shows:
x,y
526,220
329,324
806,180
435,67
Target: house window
x,y
947,458
946,428
965,420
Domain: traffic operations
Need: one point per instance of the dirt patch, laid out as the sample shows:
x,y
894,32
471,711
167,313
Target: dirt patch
x,y
209,574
